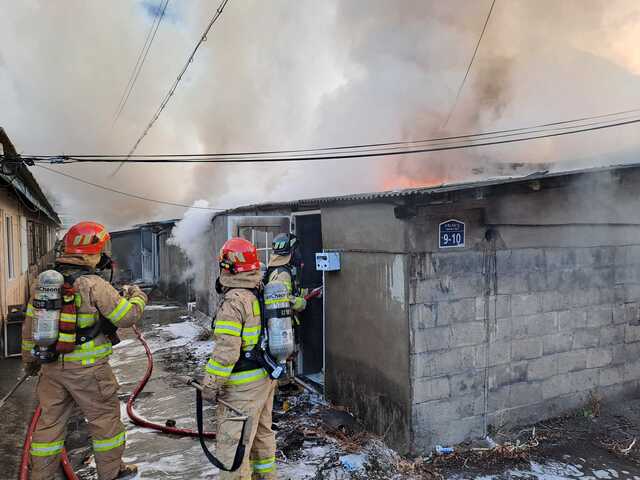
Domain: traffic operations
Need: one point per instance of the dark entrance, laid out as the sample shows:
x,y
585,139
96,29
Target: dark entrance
x,y
308,228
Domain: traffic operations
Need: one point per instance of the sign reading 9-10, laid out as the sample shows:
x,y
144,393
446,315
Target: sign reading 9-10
x,y
451,234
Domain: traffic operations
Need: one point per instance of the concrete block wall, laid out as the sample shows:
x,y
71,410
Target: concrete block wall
x,y
541,328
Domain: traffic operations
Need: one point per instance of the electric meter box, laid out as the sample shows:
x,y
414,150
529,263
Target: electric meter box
x,y
328,261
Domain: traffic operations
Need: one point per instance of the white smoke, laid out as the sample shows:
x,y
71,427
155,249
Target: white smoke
x,y
190,235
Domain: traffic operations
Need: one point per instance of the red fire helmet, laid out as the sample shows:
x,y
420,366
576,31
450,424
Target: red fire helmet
x,y
238,255
87,238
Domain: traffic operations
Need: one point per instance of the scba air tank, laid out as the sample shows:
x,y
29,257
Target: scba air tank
x,y
46,308
278,316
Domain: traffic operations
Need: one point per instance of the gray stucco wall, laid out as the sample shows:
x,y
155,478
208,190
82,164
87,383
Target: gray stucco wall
x,y
367,331
528,323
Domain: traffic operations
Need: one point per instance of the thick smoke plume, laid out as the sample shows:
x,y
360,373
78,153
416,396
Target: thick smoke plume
x,y
304,73
190,235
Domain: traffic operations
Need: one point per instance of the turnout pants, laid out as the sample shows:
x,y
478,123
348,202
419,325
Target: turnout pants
x,y
255,400
95,390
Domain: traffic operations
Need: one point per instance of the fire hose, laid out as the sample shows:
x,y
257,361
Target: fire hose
x,y
24,464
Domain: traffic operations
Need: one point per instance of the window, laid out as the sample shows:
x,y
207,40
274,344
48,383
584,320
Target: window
x,y
37,241
24,250
11,269
260,231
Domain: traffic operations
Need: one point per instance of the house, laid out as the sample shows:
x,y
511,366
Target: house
x,y
461,307
143,255
28,226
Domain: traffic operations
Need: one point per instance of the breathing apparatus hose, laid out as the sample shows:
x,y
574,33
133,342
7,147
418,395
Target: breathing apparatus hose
x,y
141,422
24,464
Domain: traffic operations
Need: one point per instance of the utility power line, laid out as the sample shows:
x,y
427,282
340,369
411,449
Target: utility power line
x,y
142,56
127,194
249,158
471,136
466,74
175,84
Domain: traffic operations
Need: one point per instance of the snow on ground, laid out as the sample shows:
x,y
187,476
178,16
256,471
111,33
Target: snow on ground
x,y
307,449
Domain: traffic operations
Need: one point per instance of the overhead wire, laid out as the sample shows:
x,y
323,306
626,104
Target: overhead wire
x,y
471,137
466,74
127,194
214,158
175,84
142,56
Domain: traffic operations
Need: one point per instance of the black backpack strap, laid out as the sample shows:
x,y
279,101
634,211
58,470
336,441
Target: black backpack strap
x,y
239,455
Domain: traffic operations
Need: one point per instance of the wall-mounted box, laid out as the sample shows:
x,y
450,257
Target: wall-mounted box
x,y
328,261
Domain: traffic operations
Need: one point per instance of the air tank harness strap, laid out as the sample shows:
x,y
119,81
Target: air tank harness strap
x,y
68,319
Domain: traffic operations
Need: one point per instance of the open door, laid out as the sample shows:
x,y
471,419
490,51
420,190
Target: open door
x,y
308,228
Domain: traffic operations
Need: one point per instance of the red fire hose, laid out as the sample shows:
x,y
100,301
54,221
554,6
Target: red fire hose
x,y
138,420
24,464
135,418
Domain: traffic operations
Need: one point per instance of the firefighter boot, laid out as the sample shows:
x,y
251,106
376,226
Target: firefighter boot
x,y
127,471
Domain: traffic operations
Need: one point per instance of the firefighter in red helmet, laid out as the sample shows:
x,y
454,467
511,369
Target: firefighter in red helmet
x,y
76,370
241,382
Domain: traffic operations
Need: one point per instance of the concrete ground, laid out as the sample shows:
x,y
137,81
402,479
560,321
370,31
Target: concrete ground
x,y
309,446
16,415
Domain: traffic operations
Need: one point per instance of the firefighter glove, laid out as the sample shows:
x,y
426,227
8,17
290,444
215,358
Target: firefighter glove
x,y
210,388
298,303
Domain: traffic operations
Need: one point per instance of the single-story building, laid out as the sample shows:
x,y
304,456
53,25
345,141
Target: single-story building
x,y
460,307
28,226
143,255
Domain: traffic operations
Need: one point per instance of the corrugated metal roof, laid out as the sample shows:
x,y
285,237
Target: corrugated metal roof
x,y
431,190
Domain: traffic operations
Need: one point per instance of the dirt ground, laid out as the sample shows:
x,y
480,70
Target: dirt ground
x,y
316,440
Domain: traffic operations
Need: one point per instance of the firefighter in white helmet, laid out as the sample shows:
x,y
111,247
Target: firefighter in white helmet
x,y
241,382
77,369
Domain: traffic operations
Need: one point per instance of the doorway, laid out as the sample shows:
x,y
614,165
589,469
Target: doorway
x,y
308,229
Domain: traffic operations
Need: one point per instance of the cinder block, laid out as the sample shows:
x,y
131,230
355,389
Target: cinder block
x,y
500,398
612,335
449,409
542,368
451,361
560,258
526,349
526,304
503,329
503,375
599,357
499,307
631,333
586,338
553,301
611,376
427,389
584,380
557,343
499,352
573,319
458,263
534,325
458,311
632,370
464,334
431,339
423,315
520,260
572,361
525,393
556,386
598,316
431,432
468,383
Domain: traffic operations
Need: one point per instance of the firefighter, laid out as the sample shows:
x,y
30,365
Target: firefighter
x,y
285,266
81,374
242,383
